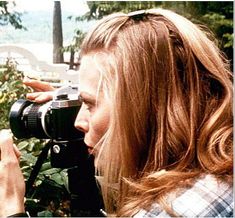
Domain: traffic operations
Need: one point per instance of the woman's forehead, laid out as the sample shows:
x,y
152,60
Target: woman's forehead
x,y
90,73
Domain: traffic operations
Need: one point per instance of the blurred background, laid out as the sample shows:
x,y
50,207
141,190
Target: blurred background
x,y
41,39
53,30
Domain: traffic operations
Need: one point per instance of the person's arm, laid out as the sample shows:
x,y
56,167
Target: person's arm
x,y
12,185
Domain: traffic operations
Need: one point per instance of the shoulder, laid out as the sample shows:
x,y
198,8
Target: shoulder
x,y
208,197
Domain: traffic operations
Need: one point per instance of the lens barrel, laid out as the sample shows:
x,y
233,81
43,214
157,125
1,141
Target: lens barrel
x,y
52,120
17,123
25,120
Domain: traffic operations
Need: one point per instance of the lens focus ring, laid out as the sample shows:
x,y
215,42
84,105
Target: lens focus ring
x,y
33,118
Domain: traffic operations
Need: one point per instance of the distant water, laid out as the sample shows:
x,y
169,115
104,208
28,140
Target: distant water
x,y
38,36
39,29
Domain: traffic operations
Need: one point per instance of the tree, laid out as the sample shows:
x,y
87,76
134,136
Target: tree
x,y
57,34
74,47
6,17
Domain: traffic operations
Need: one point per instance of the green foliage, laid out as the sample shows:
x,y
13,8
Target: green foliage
x,y
99,9
223,28
77,41
11,89
6,17
51,181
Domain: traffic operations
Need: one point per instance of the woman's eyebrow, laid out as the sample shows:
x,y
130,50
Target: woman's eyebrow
x,y
88,97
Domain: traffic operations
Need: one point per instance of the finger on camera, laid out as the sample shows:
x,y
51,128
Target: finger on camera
x,y
32,96
38,85
43,98
40,97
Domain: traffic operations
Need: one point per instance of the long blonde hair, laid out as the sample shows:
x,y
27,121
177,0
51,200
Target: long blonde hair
x,y
171,118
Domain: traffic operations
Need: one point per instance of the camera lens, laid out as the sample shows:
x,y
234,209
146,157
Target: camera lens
x,y
27,119
52,120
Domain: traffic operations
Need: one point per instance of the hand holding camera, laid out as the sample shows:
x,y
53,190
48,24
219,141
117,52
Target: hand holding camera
x,y
11,191
43,90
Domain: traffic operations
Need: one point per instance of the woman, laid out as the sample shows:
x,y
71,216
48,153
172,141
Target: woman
x,y
157,114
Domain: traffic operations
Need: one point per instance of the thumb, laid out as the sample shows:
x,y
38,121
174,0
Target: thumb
x,y
6,145
17,151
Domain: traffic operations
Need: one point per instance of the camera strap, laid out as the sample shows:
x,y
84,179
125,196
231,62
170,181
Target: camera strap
x,y
36,168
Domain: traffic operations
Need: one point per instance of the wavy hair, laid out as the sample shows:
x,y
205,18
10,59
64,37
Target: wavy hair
x,y
171,118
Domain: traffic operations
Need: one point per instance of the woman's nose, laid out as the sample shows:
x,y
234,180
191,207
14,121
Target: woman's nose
x,y
81,122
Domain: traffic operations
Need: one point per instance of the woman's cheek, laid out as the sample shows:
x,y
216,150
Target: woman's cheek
x,y
99,124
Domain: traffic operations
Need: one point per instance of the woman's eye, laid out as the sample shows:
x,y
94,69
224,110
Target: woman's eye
x,y
88,106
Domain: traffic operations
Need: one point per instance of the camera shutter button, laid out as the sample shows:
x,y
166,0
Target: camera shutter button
x,y
56,149
62,97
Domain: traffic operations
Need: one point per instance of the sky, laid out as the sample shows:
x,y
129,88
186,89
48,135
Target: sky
x,y
78,7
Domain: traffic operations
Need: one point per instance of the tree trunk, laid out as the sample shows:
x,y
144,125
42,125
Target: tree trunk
x,y
71,62
57,34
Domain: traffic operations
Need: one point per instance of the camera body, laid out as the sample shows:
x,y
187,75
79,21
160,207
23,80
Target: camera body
x,y
52,120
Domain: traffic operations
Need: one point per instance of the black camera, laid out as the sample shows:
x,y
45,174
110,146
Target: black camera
x,y
52,120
